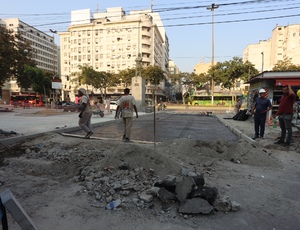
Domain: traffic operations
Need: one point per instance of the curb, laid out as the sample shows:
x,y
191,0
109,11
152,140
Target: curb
x,y
236,131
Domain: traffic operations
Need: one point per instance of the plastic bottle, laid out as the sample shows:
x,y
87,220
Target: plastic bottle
x,y
113,204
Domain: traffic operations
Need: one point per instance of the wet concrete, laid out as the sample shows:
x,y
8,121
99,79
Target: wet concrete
x,y
168,126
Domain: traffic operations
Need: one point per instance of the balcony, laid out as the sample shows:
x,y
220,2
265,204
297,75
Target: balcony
x,y
146,50
146,33
146,41
146,59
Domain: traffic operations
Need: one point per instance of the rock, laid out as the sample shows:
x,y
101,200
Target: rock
x,y
222,204
196,206
235,206
153,191
168,183
184,188
124,166
166,196
187,172
199,180
207,193
146,197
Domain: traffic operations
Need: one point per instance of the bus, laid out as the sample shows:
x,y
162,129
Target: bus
x,y
31,100
219,100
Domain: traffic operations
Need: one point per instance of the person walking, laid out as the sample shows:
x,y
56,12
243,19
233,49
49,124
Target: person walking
x,y
126,104
285,115
86,113
260,109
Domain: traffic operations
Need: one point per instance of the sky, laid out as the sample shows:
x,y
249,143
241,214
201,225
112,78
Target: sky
x,y
188,23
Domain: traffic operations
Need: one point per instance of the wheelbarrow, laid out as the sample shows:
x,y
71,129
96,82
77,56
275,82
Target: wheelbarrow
x,y
98,113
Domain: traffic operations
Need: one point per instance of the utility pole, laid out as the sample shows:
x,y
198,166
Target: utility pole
x,y
53,61
262,61
152,3
212,9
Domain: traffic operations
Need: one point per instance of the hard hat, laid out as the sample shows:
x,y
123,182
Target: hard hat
x,y
261,91
298,93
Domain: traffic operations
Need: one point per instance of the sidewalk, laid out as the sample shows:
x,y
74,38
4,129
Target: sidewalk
x,y
245,130
38,120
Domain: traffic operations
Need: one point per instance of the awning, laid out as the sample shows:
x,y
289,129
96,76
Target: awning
x,y
291,82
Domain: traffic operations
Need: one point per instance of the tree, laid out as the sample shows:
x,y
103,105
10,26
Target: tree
x,y
98,80
6,55
153,75
85,75
227,73
286,65
37,80
15,53
126,76
187,83
175,78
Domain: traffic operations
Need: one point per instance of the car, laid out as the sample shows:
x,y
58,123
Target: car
x,y
113,105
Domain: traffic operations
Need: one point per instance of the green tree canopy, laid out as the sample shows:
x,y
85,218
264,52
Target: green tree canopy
x,y
286,65
153,75
228,72
37,79
15,53
98,80
126,76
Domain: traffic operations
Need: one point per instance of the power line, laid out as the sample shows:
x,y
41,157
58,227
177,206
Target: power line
x,y
234,21
235,13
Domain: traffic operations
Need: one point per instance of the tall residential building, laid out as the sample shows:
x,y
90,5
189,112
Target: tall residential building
x,y
111,41
45,51
284,43
173,68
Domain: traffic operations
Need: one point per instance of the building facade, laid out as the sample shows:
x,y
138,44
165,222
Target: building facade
x,y
110,41
45,51
284,43
202,67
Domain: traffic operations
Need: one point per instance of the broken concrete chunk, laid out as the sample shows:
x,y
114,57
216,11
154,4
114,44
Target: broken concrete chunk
x,y
235,206
199,180
196,206
168,183
166,196
207,193
223,204
146,197
184,188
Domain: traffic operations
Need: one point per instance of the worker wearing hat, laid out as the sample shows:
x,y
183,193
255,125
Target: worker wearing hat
x,y
260,109
86,113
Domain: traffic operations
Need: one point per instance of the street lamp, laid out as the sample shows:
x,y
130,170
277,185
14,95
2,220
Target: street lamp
x,y
212,9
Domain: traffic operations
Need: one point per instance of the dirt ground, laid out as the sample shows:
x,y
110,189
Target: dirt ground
x,y
60,181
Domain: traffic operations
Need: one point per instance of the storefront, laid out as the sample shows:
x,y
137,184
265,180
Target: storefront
x,y
272,82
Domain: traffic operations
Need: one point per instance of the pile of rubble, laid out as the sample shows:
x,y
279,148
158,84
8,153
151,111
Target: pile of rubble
x,y
7,134
125,187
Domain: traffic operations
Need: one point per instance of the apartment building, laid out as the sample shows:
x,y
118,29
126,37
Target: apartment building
x,y
202,67
284,43
45,51
111,41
